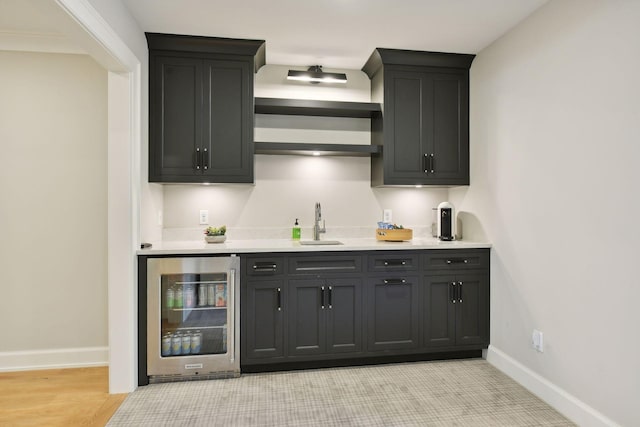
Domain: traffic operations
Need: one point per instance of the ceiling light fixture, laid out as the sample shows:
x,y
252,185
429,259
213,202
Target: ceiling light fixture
x,y
315,75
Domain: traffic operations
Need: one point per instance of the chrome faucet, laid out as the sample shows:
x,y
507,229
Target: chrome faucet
x,y
316,223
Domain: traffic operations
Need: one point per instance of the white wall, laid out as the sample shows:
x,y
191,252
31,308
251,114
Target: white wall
x,y
555,120
287,187
53,180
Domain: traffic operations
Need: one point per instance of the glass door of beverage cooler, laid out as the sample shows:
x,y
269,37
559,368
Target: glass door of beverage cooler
x,y
192,320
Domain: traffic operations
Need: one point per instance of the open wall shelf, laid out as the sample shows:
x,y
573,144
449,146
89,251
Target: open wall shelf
x,y
308,107
307,149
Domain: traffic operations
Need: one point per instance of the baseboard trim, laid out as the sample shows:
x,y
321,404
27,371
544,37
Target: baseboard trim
x,y
54,359
568,405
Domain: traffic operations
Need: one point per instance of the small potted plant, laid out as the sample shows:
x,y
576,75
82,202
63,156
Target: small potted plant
x,y
215,235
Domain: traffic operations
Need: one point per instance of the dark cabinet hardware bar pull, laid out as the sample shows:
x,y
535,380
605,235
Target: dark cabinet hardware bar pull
x,y
394,281
424,163
322,297
330,297
458,261
455,291
206,159
431,163
460,292
395,262
265,267
197,159
279,295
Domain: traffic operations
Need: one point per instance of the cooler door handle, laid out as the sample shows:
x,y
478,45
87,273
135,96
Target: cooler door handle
x,y
231,331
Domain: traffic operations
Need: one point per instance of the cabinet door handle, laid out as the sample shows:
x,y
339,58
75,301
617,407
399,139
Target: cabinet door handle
x,y
424,163
322,297
394,281
197,159
205,157
279,298
330,297
458,261
395,262
453,292
431,163
261,267
460,292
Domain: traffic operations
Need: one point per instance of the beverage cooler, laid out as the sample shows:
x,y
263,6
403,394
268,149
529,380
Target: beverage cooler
x,y
192,321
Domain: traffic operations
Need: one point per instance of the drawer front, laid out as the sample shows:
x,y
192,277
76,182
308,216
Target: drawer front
x,y
396,261
452,259
264,266
318,264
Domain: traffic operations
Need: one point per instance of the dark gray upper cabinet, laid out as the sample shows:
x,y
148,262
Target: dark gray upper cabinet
x,y
424,126
201,108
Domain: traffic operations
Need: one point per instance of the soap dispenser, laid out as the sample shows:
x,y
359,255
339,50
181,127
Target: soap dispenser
x,y
295,231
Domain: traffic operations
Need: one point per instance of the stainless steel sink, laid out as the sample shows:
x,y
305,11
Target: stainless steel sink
x,y
320,242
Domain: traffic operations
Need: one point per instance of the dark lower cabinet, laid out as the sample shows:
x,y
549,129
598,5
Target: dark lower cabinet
x,y
393,313
324,316
262,323
456,310
325,308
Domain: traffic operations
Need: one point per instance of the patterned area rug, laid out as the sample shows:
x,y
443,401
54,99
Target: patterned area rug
x,y
443,393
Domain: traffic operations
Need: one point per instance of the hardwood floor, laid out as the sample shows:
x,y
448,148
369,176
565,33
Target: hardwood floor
x,y
57,397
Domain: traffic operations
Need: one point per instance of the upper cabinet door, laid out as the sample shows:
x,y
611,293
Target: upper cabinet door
x,y
227,144
175,119
448,127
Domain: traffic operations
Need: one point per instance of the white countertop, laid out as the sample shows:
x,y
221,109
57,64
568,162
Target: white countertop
x,y
285,245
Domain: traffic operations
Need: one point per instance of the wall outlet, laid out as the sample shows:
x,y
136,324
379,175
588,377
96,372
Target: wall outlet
x,y
204,217
537,341
386,215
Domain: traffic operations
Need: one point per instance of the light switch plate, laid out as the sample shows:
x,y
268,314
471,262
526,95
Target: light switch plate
x,y
537,341
387,215
204,217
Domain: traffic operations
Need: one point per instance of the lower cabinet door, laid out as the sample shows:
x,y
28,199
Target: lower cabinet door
x,y
439,313
472,309
306,317
393,316
262,311
344,315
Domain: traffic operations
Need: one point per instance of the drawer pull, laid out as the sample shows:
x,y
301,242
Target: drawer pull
x,y
394,281
265,267
395,262
458,261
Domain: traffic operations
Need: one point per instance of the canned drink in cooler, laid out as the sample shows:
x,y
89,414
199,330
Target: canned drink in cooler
x,y
178,297
196,342
166,345
221,295
186,343
176,344
211,294
202,295
189,296
170,297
